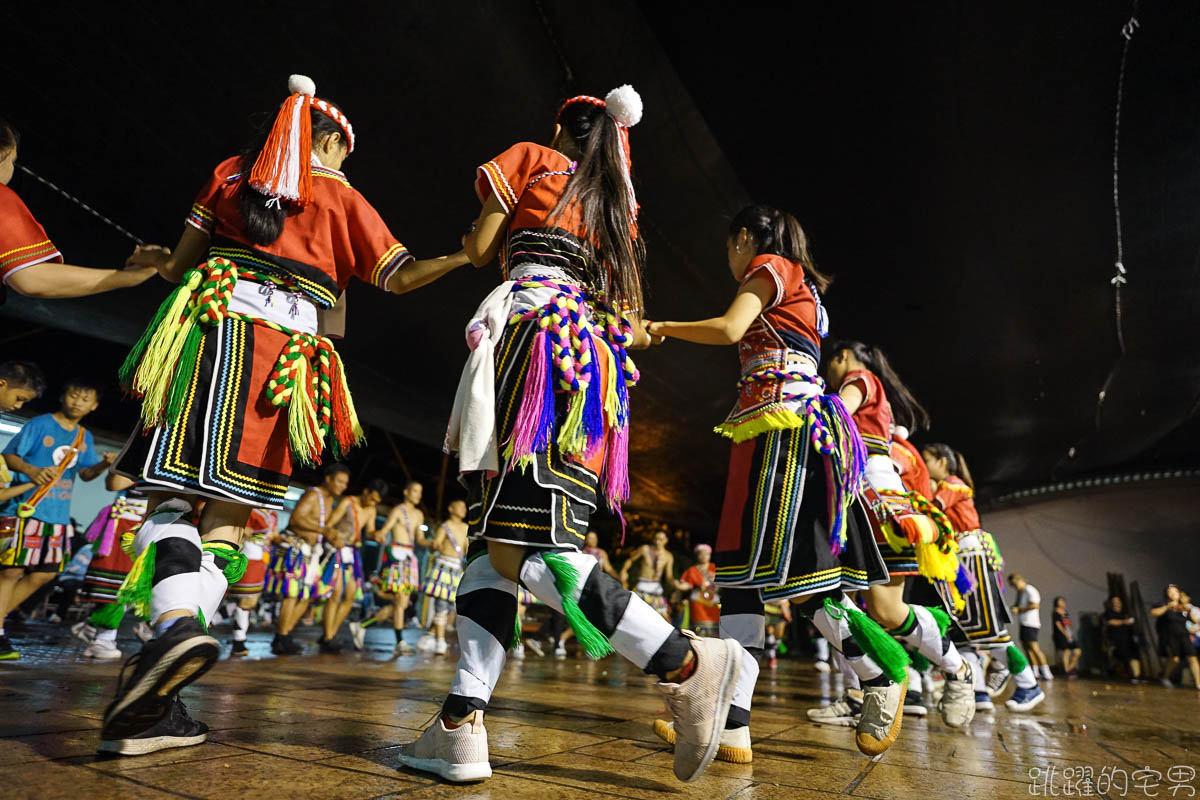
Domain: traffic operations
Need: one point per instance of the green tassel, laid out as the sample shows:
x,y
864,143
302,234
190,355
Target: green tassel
x,y
942,618
235,561
200,618
566,580
135,591
130,365
184,368
920,663
1016,660
877,643
516,637
108,616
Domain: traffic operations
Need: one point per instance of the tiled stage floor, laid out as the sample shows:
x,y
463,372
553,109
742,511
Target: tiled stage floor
x,y
327,727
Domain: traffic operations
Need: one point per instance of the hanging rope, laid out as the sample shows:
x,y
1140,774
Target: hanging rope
x,y
79,203
1118,279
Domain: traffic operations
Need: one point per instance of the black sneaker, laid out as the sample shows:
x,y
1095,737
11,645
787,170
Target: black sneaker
x,y
176,729
326,646
291,647
239,648
163,667
7,651
278,647
914,704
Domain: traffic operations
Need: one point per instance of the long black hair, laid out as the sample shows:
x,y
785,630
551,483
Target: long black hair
x,y
955,463
598,194
263,224
905,408
778,233
10,137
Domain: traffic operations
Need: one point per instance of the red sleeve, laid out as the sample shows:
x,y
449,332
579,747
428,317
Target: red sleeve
x,y
770,270
507,175
865,384
23,242
946,497
692,576
202,216
371,253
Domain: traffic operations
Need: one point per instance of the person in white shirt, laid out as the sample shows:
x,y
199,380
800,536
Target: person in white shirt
x,y
1029,617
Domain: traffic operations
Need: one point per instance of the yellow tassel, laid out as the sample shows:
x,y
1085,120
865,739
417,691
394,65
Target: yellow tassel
x,y
936,565
153,376
127,540
897,543
302,417
571,438
778,419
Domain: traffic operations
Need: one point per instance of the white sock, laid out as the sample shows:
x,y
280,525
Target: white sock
x,y
928,640
822,649
849,676
106,635
748,630
241,622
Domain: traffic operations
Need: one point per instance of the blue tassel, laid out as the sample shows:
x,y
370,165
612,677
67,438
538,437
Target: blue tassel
x,y
593,409
963,582
545,429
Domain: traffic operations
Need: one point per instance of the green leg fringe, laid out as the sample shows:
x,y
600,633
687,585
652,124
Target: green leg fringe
x,y
875,642
200,618
235,561
108,616
135,591
516,637
942,618
566,580
920,663
1016,660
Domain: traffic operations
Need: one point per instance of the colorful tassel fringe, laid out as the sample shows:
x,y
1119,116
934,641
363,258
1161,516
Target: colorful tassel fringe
x,y
1016,660
566,580
108,616
135,590
875,642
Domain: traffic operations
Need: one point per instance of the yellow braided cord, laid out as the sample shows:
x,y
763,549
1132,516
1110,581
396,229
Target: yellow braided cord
x,y
302,416
344,388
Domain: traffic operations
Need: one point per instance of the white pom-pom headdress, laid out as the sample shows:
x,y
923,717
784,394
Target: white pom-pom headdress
x,y
623,105
282,169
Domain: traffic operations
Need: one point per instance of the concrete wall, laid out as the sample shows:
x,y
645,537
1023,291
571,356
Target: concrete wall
x,y
1066,546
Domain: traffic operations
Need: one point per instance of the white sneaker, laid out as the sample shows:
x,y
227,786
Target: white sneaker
x,y
882,716
700,705
457,754
358,635
518,652
102,651
844,711
84,632
735,744
143,631
822,667
957,705
426,643
560,651
440,647
403,648
535,646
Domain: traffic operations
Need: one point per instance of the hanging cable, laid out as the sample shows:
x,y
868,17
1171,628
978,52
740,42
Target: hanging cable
x,y
79,203
1118,279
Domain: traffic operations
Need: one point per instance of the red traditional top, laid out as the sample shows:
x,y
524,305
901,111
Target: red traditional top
x,y
874,416
337,236
23,242
957,500
528,180
792,308
913,472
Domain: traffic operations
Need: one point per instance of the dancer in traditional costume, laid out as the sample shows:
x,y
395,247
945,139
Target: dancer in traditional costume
x,y
400,576
353,519
540,423
296,572
655,575
262,534
704,601
791,528
108,568
448,549
50,451
983,619
30,264
872,392
237,384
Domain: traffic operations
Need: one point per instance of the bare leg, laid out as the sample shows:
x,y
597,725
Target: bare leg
x,y
1135,668
8,581
1194,664
329,620
27,586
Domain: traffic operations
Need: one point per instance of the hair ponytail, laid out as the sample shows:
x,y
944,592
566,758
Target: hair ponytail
x,y
598,193
10,137
961,470
778,233
906,411
955,463
263,223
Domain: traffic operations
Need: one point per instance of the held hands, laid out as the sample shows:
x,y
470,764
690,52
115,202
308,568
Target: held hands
x,y
149,256
108,456
655,337
43,476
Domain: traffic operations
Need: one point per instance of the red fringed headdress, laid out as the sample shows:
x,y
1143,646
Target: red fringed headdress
x,y
624,107
282,169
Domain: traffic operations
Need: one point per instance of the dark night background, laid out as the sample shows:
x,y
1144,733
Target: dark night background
x,y
952,165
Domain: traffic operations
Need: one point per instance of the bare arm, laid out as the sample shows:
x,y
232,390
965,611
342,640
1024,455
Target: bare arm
x,y
193,244
51,281
99,468
15,491
369,524
1157,611
391,522
487,234
307,512
730,327
419,535
40,475
852,397
416,274
339,512
637,556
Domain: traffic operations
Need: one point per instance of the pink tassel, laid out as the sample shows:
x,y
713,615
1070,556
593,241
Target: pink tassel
x,y
533,400
616,472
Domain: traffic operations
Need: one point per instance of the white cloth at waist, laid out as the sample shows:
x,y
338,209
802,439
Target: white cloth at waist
x,y
801,389
472,428
253,550
348,554
647,586
400,552
447,562
276,305
881,474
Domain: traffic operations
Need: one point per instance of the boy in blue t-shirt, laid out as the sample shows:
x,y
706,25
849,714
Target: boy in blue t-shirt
x,y
35,455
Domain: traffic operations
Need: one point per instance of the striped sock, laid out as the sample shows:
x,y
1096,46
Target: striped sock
x,y
921,632
837,632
